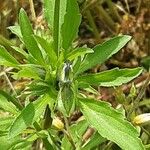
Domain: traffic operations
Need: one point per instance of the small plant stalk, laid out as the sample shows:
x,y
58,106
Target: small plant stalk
x,y
68,134
139,97
113,10
93,25
103,15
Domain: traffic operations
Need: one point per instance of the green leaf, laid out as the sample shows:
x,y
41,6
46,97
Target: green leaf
x,y
28,115
6,144
103,52
21,51
16,30
49,12
29,72
7,106
111,124
59,13
49,49
71,24
5,122
78,52
11,99
114,77
6,59
27,33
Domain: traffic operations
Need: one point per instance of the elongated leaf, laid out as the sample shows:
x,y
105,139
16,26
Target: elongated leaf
x,y
28,115
28,73
111,124
16,30
21,51
7,106
114,77
11,99
103,52
49,49
6,59
49,12
27,33
5,122
71,24
6,144
79,52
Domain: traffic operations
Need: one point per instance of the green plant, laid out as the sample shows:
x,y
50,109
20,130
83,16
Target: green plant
x,y
56,71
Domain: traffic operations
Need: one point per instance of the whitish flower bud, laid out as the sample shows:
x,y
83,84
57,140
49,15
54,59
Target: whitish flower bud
x,y
142,119
57,123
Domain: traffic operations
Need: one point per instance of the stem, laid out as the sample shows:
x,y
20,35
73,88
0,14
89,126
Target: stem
x,y
9,83
32,10
144,130
68,133
56,26
108,146
93,25
139,97
113,10
103,15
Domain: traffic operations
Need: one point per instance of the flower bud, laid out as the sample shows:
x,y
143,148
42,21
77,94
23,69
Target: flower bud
x,y
142,119
57,123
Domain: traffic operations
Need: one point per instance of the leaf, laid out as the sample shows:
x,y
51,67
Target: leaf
x,y
27,33
11,99
5,122
6,144
111,124
49,12
7,106
114,77
21,51
78,52
59,13
49,49
29,72
103,52
28,115
6,59
16,30
71,24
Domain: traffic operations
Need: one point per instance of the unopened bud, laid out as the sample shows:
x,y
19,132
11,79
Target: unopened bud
x,y
57,123
142,119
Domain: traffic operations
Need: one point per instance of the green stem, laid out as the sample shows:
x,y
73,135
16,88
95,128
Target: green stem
x,y
113,10
56,26
68,134
103,15
93,25
139,97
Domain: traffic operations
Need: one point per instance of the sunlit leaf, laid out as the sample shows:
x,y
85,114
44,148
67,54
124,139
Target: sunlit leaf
x,y
7,59
71,24
28,115
103,52
114,77
111,124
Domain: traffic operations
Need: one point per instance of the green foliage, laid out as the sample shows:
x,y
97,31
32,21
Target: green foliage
x,y
111,124
54,69
114,77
